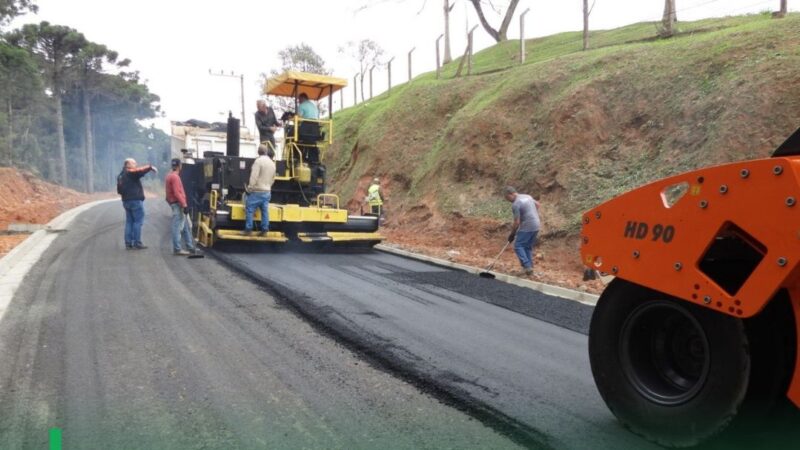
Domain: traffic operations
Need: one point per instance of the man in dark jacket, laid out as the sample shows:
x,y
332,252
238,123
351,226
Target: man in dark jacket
x,y
266,123
129,186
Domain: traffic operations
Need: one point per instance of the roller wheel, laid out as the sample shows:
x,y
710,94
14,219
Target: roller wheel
x,y
671,371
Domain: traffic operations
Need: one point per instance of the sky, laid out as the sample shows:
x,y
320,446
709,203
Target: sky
x,y
174,43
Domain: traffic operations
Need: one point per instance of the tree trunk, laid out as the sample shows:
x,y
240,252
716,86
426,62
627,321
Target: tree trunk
x,y
88,141
669,18
10,134
507,20
498,35
447,9
62,151
585,24
782,12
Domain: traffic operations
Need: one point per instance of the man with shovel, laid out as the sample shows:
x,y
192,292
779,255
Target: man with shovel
x,y
176,197
525,227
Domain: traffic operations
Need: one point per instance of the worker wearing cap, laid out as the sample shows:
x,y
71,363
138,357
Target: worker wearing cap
x,y
374,197
176,197
129,187
525,227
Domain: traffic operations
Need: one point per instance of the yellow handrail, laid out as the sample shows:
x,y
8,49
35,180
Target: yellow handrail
x,y
212,199
322,204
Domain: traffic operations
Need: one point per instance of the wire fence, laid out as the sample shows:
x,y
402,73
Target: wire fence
x,y
512,53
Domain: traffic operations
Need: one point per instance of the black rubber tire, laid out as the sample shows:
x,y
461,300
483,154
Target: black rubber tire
x,y
673,397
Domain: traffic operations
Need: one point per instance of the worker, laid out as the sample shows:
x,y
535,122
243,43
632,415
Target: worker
x,y
176,198
129,186
266,123
307,108
373,197
259,191
525,228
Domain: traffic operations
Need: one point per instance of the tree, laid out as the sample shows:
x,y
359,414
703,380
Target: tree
x,y
368,53
499,34
301,58
586,11
19,84
448,7
669,18
89,65
13,8
57,47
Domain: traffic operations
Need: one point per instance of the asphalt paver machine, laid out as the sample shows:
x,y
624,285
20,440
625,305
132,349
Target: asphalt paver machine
x,y
301,210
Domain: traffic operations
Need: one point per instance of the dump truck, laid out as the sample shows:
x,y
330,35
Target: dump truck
x,y
701,322
301,210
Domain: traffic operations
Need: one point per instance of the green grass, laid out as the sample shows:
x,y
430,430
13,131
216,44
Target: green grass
x,y
577,127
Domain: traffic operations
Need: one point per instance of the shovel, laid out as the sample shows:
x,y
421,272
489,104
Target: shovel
x,y
485,273
196,254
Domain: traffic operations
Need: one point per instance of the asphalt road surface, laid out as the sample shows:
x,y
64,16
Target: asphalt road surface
x,y
140,349
290,349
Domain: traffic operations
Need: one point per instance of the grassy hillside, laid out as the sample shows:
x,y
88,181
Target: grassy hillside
x,y
572,128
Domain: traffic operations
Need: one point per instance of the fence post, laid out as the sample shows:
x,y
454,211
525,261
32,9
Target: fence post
x,y
409,62
437,55
469,50
341,99
389,67
355,89
370,81
522,36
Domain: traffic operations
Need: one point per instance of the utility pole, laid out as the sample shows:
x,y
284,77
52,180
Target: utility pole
x,y
522,36
409,62
241,85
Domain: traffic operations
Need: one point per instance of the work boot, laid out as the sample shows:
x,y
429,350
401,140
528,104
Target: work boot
x,y
246,232
181,253
529,271
139,246
264,233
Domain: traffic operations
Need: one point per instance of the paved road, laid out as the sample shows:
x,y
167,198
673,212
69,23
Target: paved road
x,y
516,357
127,349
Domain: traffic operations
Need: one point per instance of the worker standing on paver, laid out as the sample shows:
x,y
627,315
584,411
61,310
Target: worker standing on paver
x,y
176,197
525,228
374,197
259,191
129,186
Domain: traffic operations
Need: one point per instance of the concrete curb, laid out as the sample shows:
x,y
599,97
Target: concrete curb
x,y
18,262
556,291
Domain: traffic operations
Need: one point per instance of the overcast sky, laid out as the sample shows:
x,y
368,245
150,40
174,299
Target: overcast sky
x,y
174,43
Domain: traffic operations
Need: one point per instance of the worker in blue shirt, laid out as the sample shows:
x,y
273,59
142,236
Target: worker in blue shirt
x,y
307,108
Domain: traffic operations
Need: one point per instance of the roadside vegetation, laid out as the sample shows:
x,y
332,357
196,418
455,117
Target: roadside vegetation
x,y
572,127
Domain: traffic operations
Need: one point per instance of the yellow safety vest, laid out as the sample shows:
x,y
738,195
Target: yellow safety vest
x,y
374,195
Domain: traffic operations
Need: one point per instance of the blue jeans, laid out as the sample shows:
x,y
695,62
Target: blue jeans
x,y
523,247
180,228
257,200
134,219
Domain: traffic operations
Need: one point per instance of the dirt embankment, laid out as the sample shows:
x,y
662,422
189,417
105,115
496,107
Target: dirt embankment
x,y
27,199
573,132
